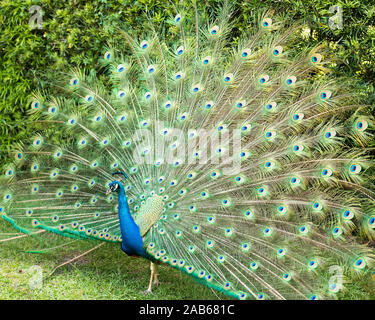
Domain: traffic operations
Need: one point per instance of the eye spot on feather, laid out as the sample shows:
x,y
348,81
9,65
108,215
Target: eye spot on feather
x,y
214,30
297,148
325,95
34,167
298,117
268,231
262,191
144,44
178,75
267,22
277,51
89,98
196,88
348,214
245,53
270,135
35,188
295,182
245,247
240,104
180,50
228,232
206,60
361,125
355,169
201,273
303,230
19,156
245,128
371,222
183,116
270,106
211,220
209,105
37,143
210,243
316,58
52,110
360,263
264,79
254,266
35,223
59,193
287,276
151,69
269,165
107,55
74,82
220,259
291,80
9,172
54,173
249,214
120,68
282,210
326,172
177,18
337,231
228,77
281,252
313,264
7,197
35,105
72,121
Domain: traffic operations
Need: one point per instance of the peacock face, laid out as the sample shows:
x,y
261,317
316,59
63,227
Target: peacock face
x,y
113,186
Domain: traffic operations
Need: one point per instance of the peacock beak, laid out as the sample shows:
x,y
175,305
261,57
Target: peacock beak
x,y
108,192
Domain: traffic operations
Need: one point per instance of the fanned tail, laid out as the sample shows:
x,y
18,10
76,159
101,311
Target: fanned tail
x,y
258,154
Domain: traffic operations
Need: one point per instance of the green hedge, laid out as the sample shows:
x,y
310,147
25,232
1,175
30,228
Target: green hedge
x,y
75,32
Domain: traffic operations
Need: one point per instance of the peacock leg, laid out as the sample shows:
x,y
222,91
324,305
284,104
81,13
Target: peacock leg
x,y
156,281
152,268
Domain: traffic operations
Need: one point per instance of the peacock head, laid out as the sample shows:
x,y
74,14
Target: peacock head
x,y
116,184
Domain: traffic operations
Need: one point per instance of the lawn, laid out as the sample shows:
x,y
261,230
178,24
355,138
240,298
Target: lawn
x,y
106,273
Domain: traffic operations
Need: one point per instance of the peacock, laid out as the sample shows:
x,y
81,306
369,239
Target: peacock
x,y
242,165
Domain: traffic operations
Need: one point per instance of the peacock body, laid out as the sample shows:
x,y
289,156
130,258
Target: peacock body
x,y
244,167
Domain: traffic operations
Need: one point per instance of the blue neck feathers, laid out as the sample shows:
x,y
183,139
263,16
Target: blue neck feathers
x,y
132,243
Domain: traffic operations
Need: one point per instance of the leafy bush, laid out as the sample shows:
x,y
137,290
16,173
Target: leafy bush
x,y
75,32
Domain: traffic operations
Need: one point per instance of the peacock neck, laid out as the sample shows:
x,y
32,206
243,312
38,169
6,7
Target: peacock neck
x,y
132,242
126,219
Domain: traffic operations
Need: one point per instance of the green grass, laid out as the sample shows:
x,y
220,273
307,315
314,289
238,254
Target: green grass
x,y
106,273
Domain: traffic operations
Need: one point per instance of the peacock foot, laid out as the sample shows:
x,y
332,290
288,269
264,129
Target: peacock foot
x,y
156,283
147,292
